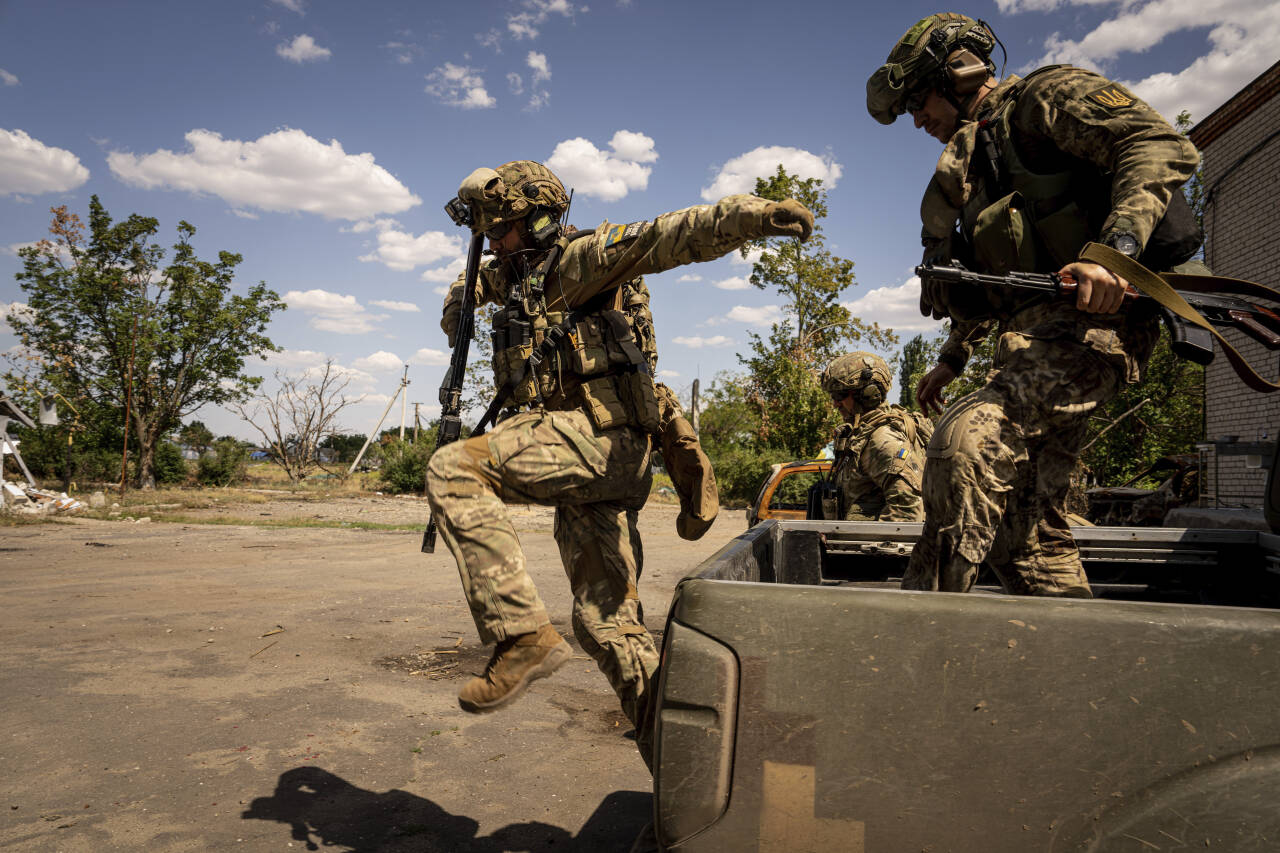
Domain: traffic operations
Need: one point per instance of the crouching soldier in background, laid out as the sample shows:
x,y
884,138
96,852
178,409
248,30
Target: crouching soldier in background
x,y
879,449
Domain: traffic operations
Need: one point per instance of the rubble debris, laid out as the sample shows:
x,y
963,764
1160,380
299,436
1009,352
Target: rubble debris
x,y
28,500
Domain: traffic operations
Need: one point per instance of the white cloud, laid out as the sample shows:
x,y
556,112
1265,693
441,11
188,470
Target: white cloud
x,y
896,308
524,25
429,357
539,65
27,165
370,225
1241,44
292,5
14,309
446,273
698,342
668,374
442,290
380,361
541,69
739,174
760,315
394,306
606,176
9,79
737,282
405,52
284,171
689,277
459,86
291,359
403,252
515,83
333,312
491,39
746,257
303,49
244,214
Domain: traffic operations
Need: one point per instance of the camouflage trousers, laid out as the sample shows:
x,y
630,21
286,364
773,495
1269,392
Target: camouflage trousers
x,y
597,481
998,466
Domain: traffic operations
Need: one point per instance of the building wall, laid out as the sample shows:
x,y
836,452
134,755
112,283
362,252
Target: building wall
x,y
1242,230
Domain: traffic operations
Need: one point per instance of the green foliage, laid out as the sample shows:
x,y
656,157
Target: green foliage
x,y
792,412
729,432
345,446
1193,189
914,361
196,436
1161,415
111,323
404,465
171,468
226,465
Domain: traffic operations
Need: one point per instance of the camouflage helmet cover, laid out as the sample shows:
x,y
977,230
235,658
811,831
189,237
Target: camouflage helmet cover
x,y
918,61
855,371
510,192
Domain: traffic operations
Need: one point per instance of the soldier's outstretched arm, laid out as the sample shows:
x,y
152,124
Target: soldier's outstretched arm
x,y
618,253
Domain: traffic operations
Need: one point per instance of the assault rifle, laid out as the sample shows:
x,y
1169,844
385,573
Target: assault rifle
x,y
1189,341
451,388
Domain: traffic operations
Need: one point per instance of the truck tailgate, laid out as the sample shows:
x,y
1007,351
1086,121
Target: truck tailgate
x,y
798,718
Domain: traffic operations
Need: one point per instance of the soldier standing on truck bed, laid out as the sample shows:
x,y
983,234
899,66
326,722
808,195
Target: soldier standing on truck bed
x,y
1033,170
879,448
578,427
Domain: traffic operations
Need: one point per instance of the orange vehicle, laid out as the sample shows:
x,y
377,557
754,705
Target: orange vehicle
x,y
784,494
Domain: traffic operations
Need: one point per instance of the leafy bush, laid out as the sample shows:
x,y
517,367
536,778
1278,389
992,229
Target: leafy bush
x,y
404,466
226,465
169,465
741,470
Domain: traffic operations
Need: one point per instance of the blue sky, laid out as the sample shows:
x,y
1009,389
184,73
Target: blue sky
x,y
320,140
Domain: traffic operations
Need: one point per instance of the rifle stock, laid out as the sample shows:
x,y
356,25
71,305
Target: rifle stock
x,y
1189,341
451,388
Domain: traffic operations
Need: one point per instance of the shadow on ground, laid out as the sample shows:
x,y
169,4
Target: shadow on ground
x,y
324,810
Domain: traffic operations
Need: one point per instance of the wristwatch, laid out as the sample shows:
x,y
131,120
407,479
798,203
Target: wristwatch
x,y
1123,242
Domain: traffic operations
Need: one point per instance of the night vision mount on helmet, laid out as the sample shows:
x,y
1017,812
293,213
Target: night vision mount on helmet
x,y
519,190
947,52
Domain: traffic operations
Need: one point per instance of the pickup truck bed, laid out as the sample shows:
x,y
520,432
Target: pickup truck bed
x,y
803,706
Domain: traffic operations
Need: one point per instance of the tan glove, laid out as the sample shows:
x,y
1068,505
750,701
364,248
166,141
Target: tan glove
x,y
788,218
689,468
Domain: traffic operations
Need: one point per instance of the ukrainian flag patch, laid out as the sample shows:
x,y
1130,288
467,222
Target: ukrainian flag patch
x,y
621,233
901,454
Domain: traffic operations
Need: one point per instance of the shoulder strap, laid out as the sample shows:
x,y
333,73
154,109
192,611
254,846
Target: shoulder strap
x,y
1160,288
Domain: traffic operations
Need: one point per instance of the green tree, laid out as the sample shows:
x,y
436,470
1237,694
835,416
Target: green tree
x,y
109,321
1162,415
196,436
1193,189
794,414
914,361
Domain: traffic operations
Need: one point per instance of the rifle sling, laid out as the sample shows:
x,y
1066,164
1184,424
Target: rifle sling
x,y
1161,289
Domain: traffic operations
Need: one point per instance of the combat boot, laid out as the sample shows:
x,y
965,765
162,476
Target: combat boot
x,y
516,661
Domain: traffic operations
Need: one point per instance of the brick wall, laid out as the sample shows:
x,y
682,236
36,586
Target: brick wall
x,y
1242,230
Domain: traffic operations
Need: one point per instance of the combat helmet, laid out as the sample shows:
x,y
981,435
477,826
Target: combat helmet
x,y
510,192
865,374
947,51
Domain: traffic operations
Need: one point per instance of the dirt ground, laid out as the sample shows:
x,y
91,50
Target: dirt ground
x,y
190,687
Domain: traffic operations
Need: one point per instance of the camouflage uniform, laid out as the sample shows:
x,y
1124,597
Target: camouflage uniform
x,y
580,450
879,461
879,449
1103,163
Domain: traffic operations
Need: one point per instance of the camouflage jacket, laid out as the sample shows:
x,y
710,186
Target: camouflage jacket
x,y
614,254
879,465
1123,160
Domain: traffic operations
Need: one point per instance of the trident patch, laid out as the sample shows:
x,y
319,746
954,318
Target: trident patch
x,y
1112,97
